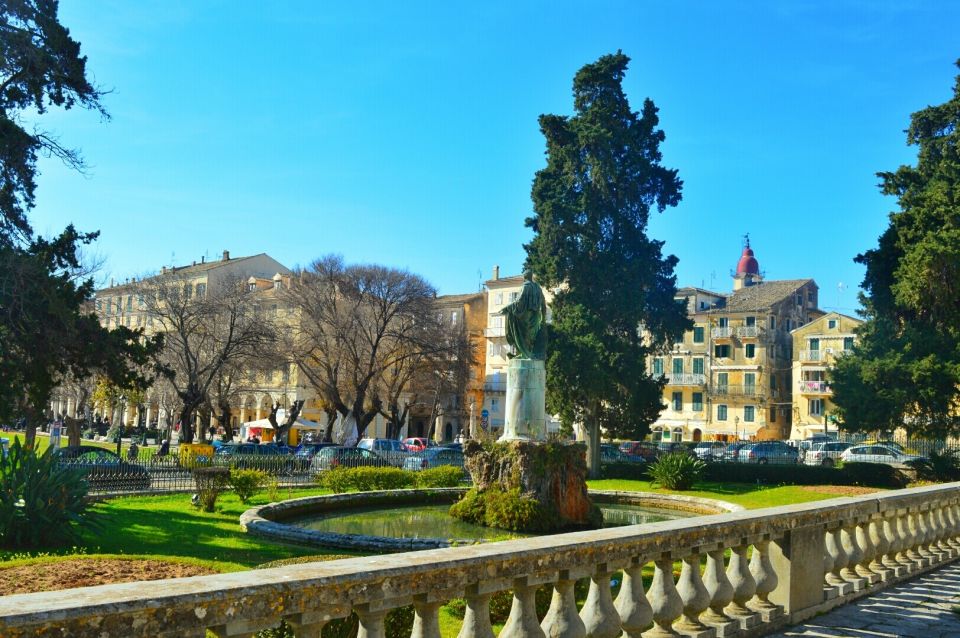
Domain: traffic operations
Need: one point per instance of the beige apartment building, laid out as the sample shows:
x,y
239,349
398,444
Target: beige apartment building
x,y
817,345
729,378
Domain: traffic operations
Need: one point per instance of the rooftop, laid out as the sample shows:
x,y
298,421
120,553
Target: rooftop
x,y
760,296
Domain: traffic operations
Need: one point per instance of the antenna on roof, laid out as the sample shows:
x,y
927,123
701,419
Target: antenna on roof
x,y
713,275
746,240
840,288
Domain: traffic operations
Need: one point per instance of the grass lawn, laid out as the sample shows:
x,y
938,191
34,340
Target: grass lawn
x,y
745,494
43,442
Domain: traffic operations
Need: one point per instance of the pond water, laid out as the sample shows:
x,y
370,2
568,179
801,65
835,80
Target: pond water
x,y
433,521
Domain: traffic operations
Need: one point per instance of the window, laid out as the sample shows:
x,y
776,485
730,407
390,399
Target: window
x,y
453,318
698,334
750,350
494,405
698,401
773,323
129,302
721,352
721,413
750,322
815,407
498,299
677,365
657,367
99,305
811,298
722,380
677,401
698,365
723,322
773,383
831,323
285,374
749,383
773,415
799,299
251,287
187,291
202,290
140,302
848,343
749,414
813,344
514,296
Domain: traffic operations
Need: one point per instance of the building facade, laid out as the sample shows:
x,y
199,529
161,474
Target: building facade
x,y
816,346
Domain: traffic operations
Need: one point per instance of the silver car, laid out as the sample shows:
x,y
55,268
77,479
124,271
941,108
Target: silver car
x,y
826,454
879,454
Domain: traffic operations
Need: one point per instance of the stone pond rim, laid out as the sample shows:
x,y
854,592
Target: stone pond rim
x,y
266,521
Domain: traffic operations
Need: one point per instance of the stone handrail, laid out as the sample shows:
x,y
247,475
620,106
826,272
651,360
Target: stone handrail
x,y
805,559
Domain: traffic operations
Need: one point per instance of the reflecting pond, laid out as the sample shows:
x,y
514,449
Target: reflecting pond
x,y
432,521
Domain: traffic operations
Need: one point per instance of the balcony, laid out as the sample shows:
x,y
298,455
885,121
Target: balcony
x,y
789,562
815,387
748,332
686,379
496,331
495,386
747,391
815,355
721,333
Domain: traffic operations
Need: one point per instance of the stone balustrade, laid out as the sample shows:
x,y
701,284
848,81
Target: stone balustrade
x,y
740,574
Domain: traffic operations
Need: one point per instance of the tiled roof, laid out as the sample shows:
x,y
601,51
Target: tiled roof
x,y
452,299
190,271
760,296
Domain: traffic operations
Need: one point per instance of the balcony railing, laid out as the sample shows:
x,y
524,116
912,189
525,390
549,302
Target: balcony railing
x,y
815,387
496,331
721,333
727,390
686,379
748,332
495,386
813,355
785,564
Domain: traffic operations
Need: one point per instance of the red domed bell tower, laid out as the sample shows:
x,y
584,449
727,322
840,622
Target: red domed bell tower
x,y
748,269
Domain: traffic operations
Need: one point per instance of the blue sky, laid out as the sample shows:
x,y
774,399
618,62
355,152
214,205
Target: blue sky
x,y
406,133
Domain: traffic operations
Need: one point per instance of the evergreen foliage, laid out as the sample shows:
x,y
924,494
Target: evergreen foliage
x,y
905,369
676,471
592,203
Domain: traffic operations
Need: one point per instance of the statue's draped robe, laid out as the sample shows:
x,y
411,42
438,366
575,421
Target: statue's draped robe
x,y
526,320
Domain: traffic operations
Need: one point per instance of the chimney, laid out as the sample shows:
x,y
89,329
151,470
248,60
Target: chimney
x,y
112,282
496,273
163,270
226,255
203,259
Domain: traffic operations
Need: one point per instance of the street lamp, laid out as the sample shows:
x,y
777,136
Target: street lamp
x,y
736,427
123,419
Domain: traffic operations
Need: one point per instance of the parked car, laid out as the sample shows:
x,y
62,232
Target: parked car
x,y
806,444
826,454
611,454
103,469
305,452
879,454
673,448
709,450
768,452
418,443
392,450
646,450
732,452
434,457
338,456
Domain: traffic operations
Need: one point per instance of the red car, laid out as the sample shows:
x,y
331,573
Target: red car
x,y
418,443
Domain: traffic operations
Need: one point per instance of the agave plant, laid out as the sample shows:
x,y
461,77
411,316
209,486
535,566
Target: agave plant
x,y
676,471
42,503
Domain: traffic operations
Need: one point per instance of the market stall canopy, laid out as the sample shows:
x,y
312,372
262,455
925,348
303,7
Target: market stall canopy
x,y
299,423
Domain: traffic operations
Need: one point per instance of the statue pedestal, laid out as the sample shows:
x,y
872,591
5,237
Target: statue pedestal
x,y
525,418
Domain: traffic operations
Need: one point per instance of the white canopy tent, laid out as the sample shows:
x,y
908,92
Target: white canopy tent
x,y
264,424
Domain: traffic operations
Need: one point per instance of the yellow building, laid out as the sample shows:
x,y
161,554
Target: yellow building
x,y
816,346
729,377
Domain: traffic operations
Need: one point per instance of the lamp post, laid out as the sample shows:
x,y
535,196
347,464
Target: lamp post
x,y
736,427
123,420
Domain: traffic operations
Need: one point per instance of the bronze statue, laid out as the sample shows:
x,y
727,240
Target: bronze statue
x,y
526,320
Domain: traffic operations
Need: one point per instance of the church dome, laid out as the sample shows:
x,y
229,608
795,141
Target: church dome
x,y
748,263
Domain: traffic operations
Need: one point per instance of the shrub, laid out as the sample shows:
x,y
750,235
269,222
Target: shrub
x,y
442,476
774,474
873,475
367,479
676,471
472,508
335,479
515,512
42,503
627,471
247,483
397,624
211,481
940,466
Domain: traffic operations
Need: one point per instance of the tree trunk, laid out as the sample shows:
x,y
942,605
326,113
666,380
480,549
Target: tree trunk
x,y
593,442
74,430
283,430
331,419
224,419
186,423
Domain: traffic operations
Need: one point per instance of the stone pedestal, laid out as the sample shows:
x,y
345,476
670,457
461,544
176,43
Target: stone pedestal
x,y
525,418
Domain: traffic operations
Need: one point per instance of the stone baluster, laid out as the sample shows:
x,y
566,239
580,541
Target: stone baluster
x,y
309,624
848,540
868,549
696,599
953,526
904,543
426,619
878,548
371,622
476,617
664,599
838,560
892,543
635,611
924,536
721,594
744,587
522,622
563,619
599,616
946,532
939,528
766,579
915,541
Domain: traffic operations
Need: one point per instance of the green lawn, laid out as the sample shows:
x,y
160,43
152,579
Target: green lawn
x,y
748,495
43,442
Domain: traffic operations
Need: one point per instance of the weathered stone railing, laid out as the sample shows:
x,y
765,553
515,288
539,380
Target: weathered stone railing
x,y
785,564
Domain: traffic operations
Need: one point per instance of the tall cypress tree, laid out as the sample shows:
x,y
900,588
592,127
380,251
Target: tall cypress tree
x,y
614,290
905,368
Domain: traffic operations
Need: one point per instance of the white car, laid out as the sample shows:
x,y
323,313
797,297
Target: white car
x,y
826,454
709,450
878,454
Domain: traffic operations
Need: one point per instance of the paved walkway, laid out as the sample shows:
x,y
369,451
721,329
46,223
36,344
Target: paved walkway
x,y
925,607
